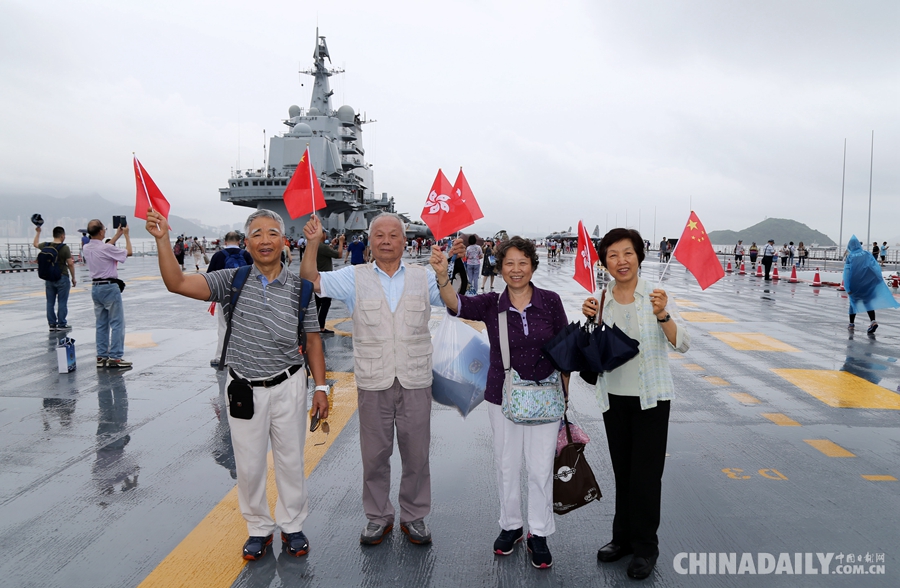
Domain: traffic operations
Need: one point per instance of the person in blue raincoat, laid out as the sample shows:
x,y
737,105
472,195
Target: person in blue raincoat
x,y
865,285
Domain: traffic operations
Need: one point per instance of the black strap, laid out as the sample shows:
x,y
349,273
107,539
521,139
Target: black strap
x,y
237,284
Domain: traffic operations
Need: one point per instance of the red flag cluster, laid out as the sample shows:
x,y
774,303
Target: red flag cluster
x,y
449,209
303,194
585,260
696,253
148,194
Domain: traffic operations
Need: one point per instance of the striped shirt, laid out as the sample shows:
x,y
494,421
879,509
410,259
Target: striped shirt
x,y
264,326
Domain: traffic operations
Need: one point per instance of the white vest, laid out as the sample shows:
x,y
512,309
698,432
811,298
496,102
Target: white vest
x,y
388,345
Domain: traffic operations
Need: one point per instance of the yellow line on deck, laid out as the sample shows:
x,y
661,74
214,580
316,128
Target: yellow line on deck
x,y
877,478
705,317
753,342
744,397
210,555
829,448
716,380
693,367
685,303
139,340
781,419
2,302
841,389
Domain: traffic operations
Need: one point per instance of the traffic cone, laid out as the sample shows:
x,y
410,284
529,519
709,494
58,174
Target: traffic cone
x,y
775,273
759,271
841,287
742,272
793,278
817,281
728,268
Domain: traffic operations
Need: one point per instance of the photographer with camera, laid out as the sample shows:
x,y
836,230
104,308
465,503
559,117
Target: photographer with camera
x,y
106,292
55,266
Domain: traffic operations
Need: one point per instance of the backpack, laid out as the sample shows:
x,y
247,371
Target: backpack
x,y
48,263
237,284
179,248
234,258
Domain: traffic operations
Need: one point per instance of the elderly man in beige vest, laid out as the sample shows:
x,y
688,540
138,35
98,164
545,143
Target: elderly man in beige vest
x,y
390,303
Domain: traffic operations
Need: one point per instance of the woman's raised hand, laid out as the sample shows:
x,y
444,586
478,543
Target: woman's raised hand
x,y
438,261
590,307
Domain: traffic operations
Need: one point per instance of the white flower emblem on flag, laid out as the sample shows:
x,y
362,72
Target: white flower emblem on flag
x,y
437,202
586,258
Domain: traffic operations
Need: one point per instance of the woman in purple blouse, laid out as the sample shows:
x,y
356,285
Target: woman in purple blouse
x,y
534,316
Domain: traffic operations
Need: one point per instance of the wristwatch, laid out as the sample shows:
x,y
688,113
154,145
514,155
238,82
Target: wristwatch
x,y
325,388
665,320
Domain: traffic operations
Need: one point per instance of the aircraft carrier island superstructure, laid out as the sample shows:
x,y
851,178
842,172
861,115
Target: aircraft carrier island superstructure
x,y
337,154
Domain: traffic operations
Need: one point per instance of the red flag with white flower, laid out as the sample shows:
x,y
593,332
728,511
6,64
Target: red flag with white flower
x,y
585,260
148,194
303,194
464,192
695,252
445,211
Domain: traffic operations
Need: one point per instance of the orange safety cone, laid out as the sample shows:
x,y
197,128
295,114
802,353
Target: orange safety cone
x,y
775,273
759,271
817,281
793,279
728,268
841,287
742,272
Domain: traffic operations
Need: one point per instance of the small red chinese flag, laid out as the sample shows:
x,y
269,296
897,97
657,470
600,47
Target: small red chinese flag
x,y
585,259
303,194
696,253
148,194
445,212
462,190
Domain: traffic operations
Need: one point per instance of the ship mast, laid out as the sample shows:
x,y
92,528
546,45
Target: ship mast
x,y
321,93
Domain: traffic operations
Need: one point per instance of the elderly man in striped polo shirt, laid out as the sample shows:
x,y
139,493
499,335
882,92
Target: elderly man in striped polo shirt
x,y
265,366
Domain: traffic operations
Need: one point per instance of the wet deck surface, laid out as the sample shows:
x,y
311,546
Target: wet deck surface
x,y
784,438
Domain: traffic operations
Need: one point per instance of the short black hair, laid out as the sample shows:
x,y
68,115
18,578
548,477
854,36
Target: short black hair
x,y
524,245
472,239
620,234
58,232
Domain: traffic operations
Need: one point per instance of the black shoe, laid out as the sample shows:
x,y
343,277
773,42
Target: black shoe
x,y
326,332
507,540
255,547
540,553
641,567
214,363
613,552
296,543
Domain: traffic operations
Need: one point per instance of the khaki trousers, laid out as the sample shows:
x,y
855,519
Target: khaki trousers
x,y
380,411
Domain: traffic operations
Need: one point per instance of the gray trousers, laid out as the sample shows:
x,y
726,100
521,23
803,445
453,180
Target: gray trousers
x,y
380,411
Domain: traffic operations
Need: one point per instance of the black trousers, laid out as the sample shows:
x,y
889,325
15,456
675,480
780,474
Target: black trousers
x,y
322,306
637,447
767,263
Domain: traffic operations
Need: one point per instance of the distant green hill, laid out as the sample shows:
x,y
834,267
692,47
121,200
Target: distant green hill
x,y
781,229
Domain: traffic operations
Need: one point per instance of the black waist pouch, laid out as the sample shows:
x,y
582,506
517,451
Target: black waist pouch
x,y
240,399
120,284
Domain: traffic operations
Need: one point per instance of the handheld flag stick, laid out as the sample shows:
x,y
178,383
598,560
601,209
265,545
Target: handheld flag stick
x,y
666,267
312,191
143,182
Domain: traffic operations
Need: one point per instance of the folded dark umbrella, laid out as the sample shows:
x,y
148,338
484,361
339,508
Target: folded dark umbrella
x,y
611,347
564,351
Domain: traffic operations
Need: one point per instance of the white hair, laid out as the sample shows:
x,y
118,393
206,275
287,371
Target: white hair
x,y
388,215
263,213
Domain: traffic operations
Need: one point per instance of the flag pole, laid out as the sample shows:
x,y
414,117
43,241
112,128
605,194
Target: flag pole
x,y
665,269
312,190
140,169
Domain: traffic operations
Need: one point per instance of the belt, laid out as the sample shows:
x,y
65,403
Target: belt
x,y
273,381
101,282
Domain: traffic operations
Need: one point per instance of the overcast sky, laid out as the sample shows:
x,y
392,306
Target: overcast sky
x,y
558,111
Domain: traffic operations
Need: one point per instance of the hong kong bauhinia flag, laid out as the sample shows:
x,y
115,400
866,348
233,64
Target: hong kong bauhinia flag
x,y
462,190
445,211
585,259
696,253
148,194
303,194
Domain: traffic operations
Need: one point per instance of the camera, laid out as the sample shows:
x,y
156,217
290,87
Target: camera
x,y
120,221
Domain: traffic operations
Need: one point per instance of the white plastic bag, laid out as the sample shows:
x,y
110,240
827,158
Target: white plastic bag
x,y
460,364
